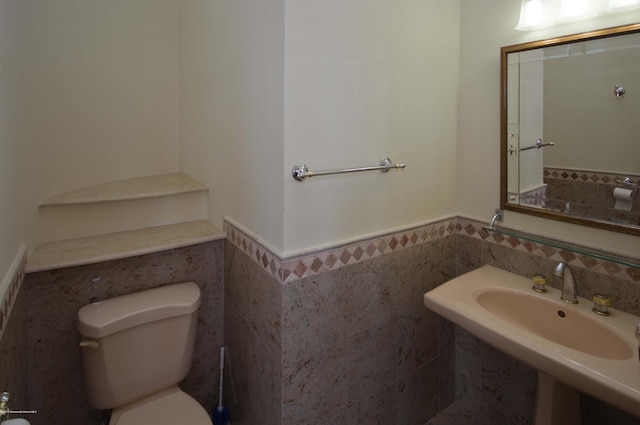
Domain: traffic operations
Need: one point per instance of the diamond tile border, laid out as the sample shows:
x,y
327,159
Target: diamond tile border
x,y
331,259
476,230
10,286
292,269
587,176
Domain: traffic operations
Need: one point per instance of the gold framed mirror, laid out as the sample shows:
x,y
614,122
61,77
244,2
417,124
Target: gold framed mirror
x,y
570,128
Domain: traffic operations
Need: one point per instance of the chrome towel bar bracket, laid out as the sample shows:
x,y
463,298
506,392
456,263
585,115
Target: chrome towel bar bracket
x,y
626,182
300,170
539,144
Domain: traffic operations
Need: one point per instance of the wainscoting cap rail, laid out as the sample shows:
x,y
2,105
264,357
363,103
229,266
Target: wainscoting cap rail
x,y
300,170
564,246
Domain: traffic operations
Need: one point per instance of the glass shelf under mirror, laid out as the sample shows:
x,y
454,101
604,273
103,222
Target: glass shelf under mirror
x,y
602,255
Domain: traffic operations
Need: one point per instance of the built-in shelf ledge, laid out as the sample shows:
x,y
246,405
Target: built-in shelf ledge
x,y
129,189
113,246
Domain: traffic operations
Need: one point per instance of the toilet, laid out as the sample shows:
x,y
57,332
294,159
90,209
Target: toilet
x,y
136,349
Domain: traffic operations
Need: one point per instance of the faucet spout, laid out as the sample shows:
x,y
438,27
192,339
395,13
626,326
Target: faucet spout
x,y
499,216
569,287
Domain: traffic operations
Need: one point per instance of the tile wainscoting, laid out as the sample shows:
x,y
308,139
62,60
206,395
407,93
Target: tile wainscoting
x,y
10,287
611,179
55,381
338,336
289,270
13,333
591,194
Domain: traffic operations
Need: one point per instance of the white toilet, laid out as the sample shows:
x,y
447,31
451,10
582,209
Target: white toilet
x,y
136,349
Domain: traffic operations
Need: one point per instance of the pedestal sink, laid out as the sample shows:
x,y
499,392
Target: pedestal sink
x,y
569,345
555,322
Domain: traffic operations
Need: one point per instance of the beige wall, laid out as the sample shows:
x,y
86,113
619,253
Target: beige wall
x,y
99,86
335,84
486,26
364,80
231,109
593,130
89,94
12,153
531,126
342,85
100,90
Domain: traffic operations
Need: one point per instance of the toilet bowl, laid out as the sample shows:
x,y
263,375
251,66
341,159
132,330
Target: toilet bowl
x,y
171,406
136,349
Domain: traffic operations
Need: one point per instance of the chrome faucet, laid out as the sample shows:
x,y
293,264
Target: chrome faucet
x,y
499,216
569,288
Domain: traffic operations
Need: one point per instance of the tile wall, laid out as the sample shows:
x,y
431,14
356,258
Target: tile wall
x,y
347,346
13,334
252,327
589,194
354,335
493,388
333,337
55,381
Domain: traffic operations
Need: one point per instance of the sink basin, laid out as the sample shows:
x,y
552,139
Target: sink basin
x,y
597,355
557,323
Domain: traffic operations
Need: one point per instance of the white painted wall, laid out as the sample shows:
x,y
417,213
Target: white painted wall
x,y
231,109
12,153
486,26
99,86
531,122
593,130
98,91
363,80
90,92
338,83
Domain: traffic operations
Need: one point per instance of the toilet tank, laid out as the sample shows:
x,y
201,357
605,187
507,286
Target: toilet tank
x,y
138,344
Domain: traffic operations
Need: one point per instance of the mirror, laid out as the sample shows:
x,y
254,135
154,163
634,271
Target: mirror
x,y
570,129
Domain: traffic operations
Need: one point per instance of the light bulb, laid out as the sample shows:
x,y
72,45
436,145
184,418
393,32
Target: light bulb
x,y
573,10
622,5
531,15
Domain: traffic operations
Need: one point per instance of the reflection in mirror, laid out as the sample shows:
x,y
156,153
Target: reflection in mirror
x,y
570,147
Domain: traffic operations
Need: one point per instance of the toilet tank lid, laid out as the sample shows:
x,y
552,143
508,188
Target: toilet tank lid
x,y
103,318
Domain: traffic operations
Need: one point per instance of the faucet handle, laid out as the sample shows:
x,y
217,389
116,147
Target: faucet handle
x,y
601,304
539,283
4,404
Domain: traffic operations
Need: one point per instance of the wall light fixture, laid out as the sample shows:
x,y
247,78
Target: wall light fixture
x,y
574,10
536,14
622,5
531,15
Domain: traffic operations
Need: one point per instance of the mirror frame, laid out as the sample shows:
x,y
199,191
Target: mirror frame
x,y
504,52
